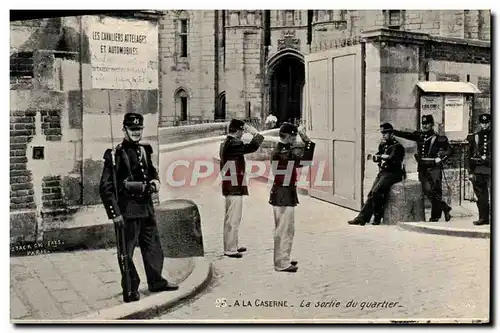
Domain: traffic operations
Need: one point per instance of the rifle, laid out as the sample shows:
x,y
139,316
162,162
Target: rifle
x,y
121,244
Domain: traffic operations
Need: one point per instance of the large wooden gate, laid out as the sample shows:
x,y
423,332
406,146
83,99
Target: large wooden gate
x,y
334,83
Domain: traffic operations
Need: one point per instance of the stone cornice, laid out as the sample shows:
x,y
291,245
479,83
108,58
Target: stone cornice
x,y
390,35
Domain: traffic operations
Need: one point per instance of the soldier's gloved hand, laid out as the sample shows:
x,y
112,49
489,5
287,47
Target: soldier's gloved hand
x,y
437,160
483,157
384,156
118,221
156,185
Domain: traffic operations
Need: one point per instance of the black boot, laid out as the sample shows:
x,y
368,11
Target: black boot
x,y
357,221
134,296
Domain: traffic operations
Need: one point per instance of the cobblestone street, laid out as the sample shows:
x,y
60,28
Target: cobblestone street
x,y
424,276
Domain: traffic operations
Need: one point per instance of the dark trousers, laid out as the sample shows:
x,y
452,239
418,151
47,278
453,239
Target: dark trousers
x,y
377,196
481,185
145,232
432,182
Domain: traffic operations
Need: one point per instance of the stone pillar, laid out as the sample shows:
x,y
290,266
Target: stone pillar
x,y
405,203
179,227
373,106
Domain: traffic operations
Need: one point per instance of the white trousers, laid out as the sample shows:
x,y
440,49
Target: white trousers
x,y
284,222
232,220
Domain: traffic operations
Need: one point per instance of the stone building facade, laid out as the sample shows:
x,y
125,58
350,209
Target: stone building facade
x,y
249,63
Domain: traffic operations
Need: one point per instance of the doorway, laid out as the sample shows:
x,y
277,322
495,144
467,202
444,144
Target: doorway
x,y
287,77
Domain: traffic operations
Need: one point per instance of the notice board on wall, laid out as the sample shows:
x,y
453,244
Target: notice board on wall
x,y
124,53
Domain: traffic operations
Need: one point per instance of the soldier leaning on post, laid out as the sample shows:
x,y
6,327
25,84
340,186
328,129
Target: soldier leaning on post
x,y
285,159
432,150
133,209
390,156
479,167
232,165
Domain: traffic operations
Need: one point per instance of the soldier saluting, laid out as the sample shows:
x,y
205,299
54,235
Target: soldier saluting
x,y
285,160
432,150
479,167
127,181
390,156
232,165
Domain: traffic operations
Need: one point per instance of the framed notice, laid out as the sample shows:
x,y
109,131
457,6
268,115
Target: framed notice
x,y
432,105
453,113
124,53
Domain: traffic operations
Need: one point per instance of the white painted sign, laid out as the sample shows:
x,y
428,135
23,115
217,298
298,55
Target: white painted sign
x,y
124,53
453,113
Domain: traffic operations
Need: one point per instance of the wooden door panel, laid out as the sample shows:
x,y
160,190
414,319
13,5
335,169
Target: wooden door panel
x,y
318,94
344,96
322,171
344,170
334,102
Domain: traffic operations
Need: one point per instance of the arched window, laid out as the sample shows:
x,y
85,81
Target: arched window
x,y
181,104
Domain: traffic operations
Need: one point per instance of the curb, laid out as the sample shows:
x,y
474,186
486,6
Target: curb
x,y
434,230
154,305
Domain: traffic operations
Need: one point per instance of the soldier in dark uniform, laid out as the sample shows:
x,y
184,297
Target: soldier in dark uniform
x,y
433,150
285,160
479,167
136,179
390,156
234,187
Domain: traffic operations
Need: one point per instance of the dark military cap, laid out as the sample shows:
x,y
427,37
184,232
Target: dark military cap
x,y
133,120
427,119
288,128
386,127
236,124
485,118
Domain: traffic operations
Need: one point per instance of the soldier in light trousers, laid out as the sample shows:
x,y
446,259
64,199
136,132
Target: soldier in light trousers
x,y
285,161
232,165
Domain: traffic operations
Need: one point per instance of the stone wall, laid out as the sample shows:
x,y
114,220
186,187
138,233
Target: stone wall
x,y
194,73
59,124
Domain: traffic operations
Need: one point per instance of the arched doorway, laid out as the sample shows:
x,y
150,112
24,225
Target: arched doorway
x,y
286,84
220,110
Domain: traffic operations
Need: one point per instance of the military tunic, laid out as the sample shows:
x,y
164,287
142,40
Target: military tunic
x,y
233,150
390,172
285,157
133,162
430,145
479,164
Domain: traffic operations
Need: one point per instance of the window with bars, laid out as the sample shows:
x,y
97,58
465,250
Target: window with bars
x,y
394,19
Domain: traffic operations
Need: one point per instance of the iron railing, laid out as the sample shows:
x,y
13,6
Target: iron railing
x,y
459,161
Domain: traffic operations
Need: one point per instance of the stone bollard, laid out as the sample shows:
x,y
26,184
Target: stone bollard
x,y
179,226
405,203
